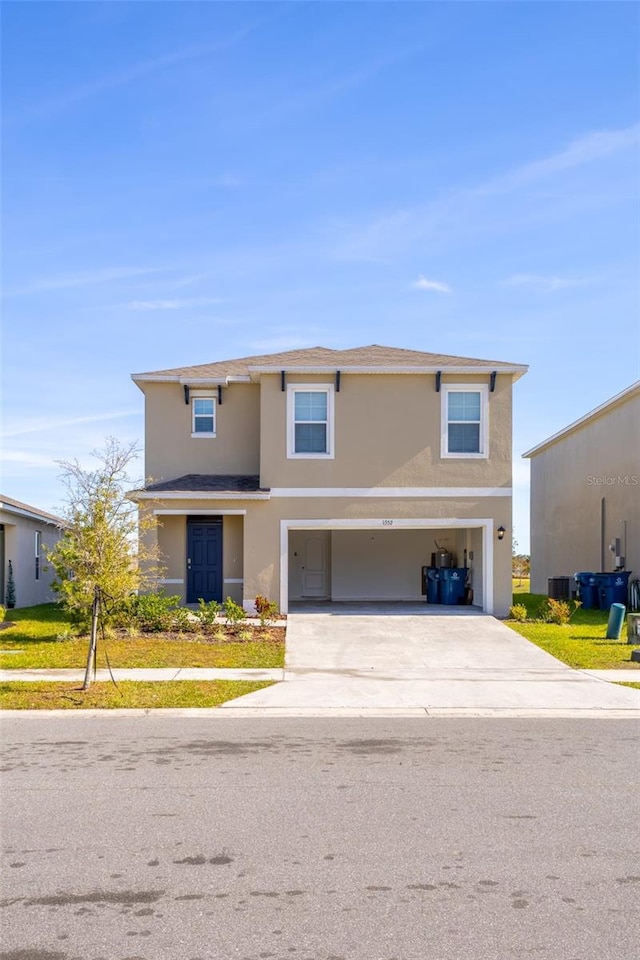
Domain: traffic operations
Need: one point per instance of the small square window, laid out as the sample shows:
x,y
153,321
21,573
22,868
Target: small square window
x,y
204,417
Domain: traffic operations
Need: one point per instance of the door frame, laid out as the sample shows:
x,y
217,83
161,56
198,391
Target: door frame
x,y
484,524
206,520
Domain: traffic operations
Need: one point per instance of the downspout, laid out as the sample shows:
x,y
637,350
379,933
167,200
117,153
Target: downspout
x,y
602,525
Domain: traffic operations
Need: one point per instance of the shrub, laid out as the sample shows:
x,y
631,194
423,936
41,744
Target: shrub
x,y
233,611
150,612
10,592
558,611
3,613
518,612
207,612
184,620
267,610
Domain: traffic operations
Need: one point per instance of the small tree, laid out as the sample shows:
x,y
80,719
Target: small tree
x,y
11,588
97,560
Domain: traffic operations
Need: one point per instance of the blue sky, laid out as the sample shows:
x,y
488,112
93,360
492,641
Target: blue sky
x,y
186,182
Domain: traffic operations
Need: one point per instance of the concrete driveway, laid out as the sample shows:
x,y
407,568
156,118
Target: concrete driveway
x,y
395,657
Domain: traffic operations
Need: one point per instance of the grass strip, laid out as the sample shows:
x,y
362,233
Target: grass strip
x,y
42,637
581,643
128,694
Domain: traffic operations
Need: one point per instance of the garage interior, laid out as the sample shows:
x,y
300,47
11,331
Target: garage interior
x,y
379,564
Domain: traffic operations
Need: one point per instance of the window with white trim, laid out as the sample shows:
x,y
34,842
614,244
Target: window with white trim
x,y
310,416
465,419
203,416
38,546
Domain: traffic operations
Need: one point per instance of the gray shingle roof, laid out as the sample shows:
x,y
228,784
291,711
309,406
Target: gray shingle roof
x,y
368,357
208,483
27,508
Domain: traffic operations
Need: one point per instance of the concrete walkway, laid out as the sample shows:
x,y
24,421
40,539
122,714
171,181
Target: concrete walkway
x,y
411,656
144,674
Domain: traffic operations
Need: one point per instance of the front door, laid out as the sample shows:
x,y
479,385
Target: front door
x,y
204,559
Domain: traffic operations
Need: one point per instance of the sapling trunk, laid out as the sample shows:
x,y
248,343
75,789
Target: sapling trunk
x,y
93,639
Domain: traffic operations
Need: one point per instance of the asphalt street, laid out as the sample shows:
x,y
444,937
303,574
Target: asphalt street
x,y
148,838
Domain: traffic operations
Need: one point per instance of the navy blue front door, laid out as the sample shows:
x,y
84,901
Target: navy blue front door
x,y
204,559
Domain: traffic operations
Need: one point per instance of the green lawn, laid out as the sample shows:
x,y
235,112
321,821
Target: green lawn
x,y
521,584
581,643
43,638
105,696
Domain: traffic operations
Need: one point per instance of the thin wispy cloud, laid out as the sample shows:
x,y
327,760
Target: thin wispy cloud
x,y
431,285
89,278
47,424
327,90
463,213
137,71
179,304
547,284
27,458
587,149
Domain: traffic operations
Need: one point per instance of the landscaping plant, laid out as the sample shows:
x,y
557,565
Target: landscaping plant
x,y
234,612
207,611
98,561
518,612
11,588
267,610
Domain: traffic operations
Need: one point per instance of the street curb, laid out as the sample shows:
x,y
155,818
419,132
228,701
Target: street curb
x,y
425,713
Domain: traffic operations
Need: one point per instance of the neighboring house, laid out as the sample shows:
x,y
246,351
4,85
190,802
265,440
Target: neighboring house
x,y
24,533
330,474
585,493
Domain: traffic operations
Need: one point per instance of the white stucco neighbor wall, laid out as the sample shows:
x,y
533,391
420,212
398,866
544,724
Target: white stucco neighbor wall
x,y
595,459
19,537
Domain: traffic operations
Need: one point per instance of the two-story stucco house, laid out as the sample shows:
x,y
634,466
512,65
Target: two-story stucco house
x,y
330,474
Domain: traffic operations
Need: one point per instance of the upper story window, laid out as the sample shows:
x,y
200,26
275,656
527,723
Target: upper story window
x,y
465,420
38,546
310,421
203,416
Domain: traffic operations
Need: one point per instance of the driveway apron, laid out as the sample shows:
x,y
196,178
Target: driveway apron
x,y
386,656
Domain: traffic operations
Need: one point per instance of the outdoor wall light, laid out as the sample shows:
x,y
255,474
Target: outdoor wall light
x,y
501,532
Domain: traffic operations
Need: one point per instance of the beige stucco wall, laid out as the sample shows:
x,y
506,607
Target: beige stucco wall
x,y
19,547
600,458
171,451
172,541
262,524
387,433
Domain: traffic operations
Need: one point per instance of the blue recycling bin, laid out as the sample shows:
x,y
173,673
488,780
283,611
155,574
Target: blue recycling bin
x,y
452,584
433,585
588,590
612,588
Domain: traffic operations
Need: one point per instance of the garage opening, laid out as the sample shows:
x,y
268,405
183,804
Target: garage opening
x,y
380,562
